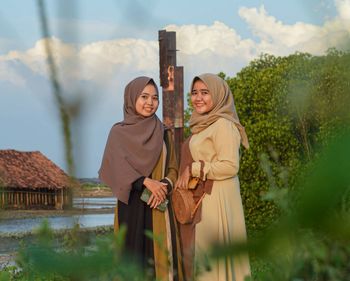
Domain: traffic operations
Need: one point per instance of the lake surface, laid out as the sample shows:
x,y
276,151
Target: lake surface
x,y
29,224
64,222
94,203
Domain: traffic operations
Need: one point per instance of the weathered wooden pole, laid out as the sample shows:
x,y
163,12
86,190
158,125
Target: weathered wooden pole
x,y
171,81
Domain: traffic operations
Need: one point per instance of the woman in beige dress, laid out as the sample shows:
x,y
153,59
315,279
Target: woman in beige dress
x,y
214,147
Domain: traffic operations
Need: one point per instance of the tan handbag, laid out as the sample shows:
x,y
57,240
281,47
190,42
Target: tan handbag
x,y
183,203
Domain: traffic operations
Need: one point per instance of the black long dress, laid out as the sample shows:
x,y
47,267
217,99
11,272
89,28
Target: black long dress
x,y
161,261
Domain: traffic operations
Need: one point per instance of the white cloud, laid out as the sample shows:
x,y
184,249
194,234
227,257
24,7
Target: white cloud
x,y
343,8
217,38
211,48
7,73
202,48
269,29
35,58
281,39
107,58
98,62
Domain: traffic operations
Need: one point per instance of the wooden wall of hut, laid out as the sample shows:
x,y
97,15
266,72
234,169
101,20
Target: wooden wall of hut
x,y
11,198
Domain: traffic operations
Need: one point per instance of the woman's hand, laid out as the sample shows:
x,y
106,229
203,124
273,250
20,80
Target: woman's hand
x,y
159,189
182,181
153,202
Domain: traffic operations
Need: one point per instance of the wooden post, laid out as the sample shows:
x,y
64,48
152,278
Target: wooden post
x,y
56,205
2,198
179,110
62,197
171,81
17,201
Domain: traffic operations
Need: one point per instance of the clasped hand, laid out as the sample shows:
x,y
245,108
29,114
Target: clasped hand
x,y
159,191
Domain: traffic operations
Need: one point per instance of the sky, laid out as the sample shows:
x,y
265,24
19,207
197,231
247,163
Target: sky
x,y
99,46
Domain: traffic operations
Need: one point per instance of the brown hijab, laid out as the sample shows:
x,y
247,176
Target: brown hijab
x,y
224,106
133,146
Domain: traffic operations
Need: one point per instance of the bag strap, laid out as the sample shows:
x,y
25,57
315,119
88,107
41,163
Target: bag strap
x,y
197,205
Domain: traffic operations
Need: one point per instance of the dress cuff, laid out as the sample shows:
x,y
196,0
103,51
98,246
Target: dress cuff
x,y
169,182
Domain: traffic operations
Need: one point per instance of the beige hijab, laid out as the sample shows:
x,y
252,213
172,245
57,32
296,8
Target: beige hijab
x,y
133,146
224,106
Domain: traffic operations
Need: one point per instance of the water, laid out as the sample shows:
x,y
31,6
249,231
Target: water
x,y
30,224
64,222
9,245
95,203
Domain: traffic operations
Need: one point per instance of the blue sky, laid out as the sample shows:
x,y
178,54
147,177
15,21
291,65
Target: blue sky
x,y
100,45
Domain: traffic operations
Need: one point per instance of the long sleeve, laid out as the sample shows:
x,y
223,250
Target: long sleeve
x,y
225,140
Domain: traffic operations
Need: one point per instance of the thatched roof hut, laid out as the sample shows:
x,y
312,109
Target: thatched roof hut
x,y
31,180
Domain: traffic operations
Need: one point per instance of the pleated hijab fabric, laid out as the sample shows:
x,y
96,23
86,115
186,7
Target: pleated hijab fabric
x,y
133,145
223,106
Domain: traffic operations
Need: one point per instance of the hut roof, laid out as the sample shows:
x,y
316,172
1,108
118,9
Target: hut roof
x,y
30,170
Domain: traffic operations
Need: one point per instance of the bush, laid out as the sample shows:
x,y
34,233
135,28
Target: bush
x,y
291,107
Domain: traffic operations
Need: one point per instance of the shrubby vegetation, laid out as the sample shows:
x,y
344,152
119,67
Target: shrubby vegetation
x,y
291,107
78,257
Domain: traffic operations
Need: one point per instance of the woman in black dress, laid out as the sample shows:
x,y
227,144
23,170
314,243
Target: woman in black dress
x,y
139,155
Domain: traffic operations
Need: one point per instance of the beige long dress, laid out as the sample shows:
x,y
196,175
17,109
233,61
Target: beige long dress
x,y
222,211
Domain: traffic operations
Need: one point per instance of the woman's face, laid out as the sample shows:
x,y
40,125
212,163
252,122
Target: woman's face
x,y
147,102
201,98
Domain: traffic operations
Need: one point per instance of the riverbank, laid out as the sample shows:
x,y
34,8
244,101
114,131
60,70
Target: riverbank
x,y
26,214
90,192
7,260
87,202
97,191
10,243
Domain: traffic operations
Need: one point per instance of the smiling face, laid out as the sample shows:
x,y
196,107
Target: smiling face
x,y
148,101
201,98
